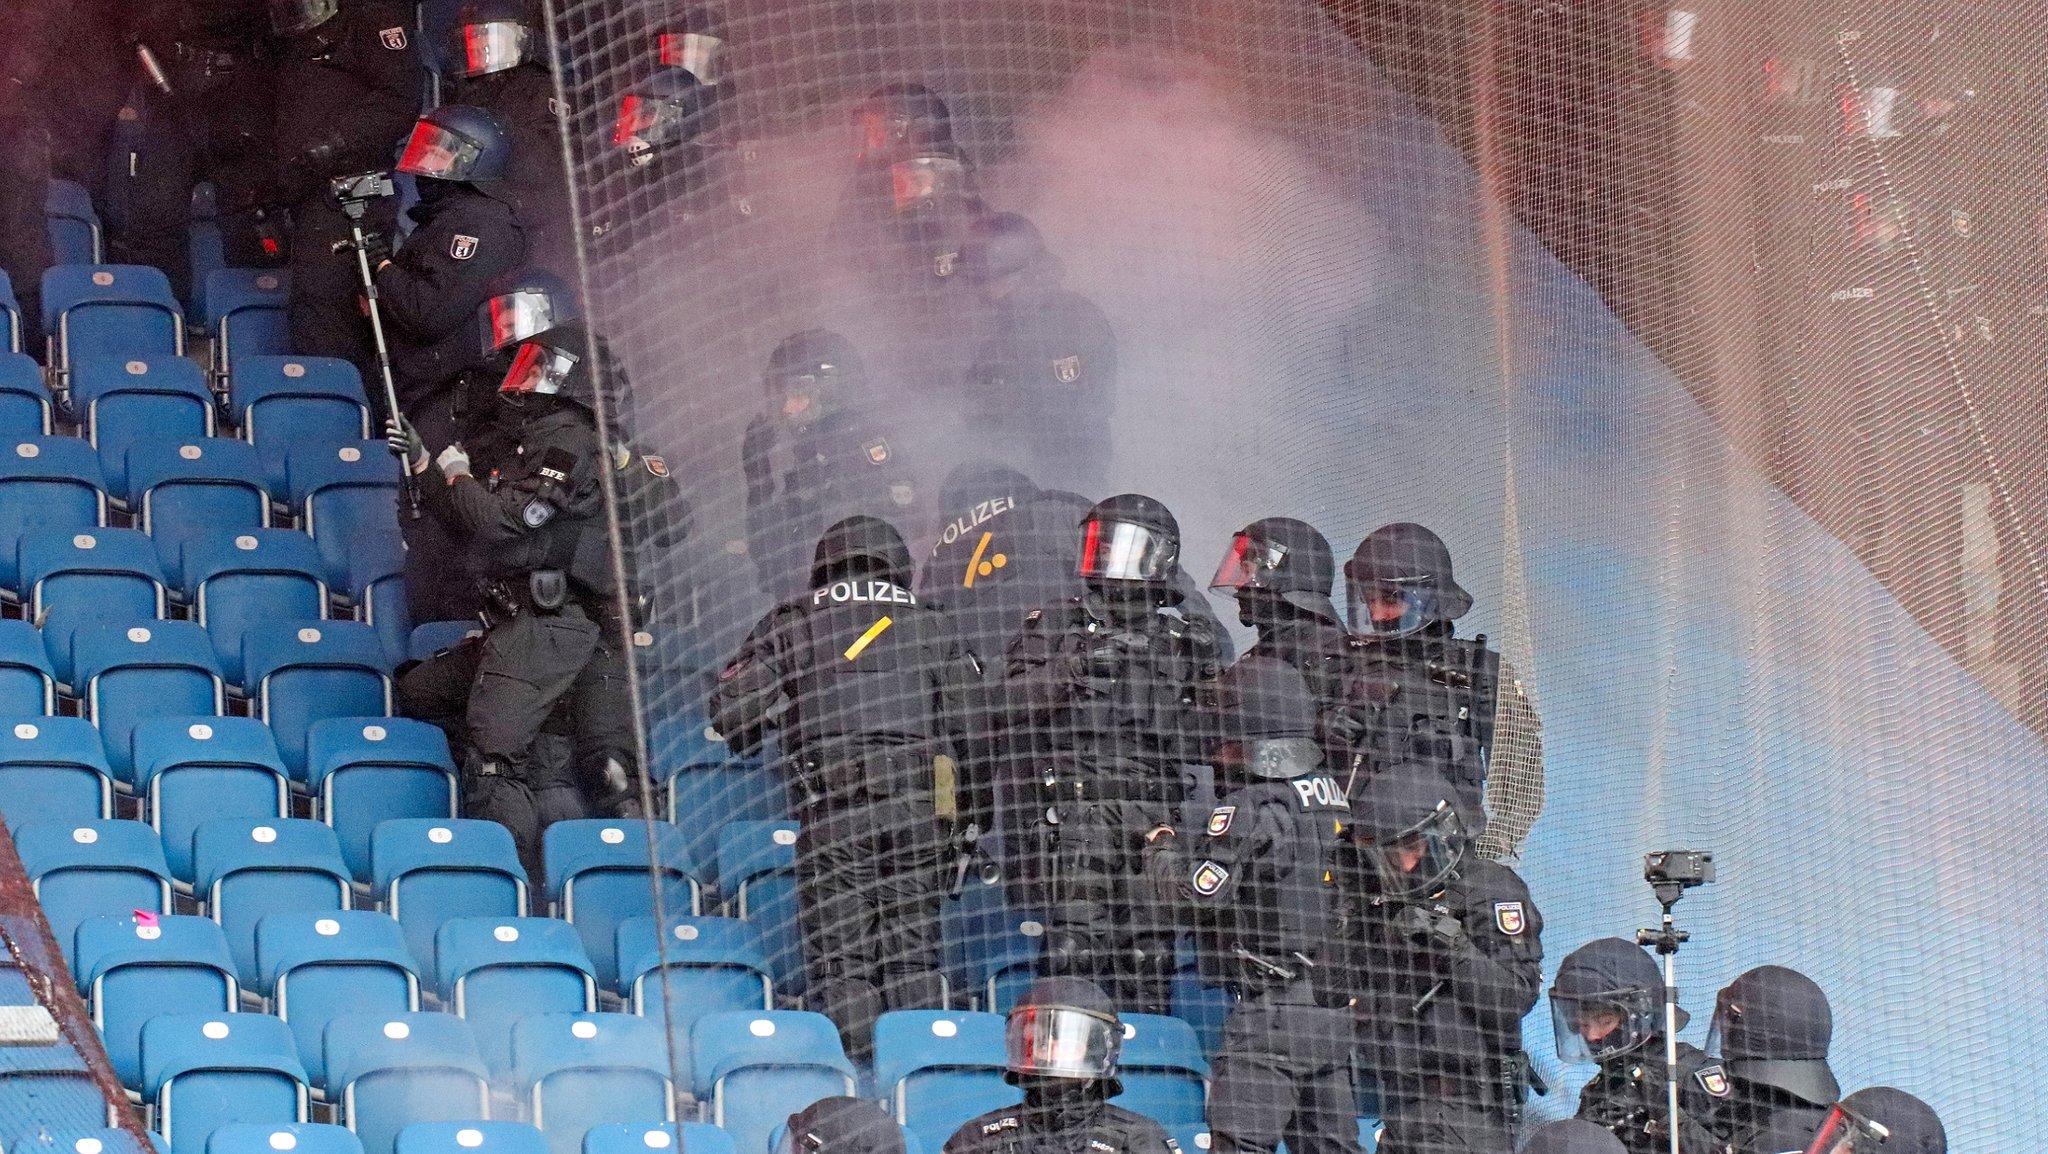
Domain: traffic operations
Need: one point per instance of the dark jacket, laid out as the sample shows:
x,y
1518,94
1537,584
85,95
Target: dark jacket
x,y
1628,1097
1095,1127
464,240
347,92
531,508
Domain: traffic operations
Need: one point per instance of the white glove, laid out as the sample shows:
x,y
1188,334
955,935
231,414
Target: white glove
x,y
454,461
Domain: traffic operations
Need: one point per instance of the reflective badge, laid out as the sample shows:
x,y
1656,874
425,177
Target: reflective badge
x,y
1219,821
877,451
1959,220
942,266
536,513
1713,1080
1508,916
462,247
394,39
656,465
1067,370
1209,877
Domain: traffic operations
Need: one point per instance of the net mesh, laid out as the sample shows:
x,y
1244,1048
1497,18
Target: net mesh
x,y
1706,337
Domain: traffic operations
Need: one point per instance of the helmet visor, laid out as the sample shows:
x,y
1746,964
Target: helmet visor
x,y
439,153
1593,1027
513,317
693,52
920,183
1389,608
538,369
1062,1042
291,17
1122,551
1249,564
1415,863
491,47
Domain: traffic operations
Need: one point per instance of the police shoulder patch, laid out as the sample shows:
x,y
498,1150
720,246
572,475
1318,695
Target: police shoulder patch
x,y
462,247
537,513
1209,878
1509,918
1219,821
393,39
877,451
1067,370
655,465
1713,1079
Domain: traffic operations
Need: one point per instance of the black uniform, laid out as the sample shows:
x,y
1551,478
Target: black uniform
x,y
1629,1098
1428,700
1775,1027
861,680
1069,1124
1043,381
1607,1009
1120,694
348,90
536,184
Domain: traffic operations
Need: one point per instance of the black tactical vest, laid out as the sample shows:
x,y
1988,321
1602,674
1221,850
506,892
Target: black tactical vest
x,y
1426,701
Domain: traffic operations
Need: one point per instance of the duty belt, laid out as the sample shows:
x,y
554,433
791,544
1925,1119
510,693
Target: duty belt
x,y
1112,789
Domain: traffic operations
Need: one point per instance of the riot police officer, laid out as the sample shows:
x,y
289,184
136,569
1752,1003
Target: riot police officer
x,y
1880,1120
525,523
861,680
1280,572
1043,378
1607,1007
1061,1042
1772,1085
1118,685
1449,959
1417,693
349,85
841,1126
913,192
495,56
1260,879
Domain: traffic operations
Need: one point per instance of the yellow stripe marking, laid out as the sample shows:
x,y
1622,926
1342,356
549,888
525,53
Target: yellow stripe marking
x,y
854,650
974,562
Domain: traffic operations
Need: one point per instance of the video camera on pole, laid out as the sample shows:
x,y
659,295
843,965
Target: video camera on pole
x,y
1670,873
354,193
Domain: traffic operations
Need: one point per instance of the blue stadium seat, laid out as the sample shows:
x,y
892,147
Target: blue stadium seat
x,y
49,1139
24,399
205,1071
427,871
1164,1074
991,951
53,769
584,1070
388,1072
48,1080
323,966
75,236
244,870
10,315
131,674
433,636
183,491
284,402
708,796
72,580
757,873
370,770
756,1069
701,966
939,1069
471,1138
28,685
244,309
376,590
134,969
494,971
654,1138
192,770
598,875
124,401
302,673
346,497
124,310
298,1138
93,868
47,483
239,581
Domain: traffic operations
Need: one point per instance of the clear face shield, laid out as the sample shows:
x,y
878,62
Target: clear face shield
x,y
1061,1042
1593,1027
1415,864
1847,1132
693,52
1389,608
1724,1012
537,370
439,153
1249,564
492,47
1122,551
292,17
1280,758
925,185
513,317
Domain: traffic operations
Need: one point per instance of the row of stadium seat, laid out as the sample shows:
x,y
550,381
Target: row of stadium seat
x,y
91,308
421,1138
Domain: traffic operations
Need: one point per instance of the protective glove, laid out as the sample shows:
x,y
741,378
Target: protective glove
x,y
406,444
454,462
1340,727
377,248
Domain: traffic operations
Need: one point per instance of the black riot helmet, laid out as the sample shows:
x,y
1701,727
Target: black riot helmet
x,y
667,110
806,369
523,305
1129,539
491,36
295,17
1880,1120
973,482
458,142
841,1126
902,120
1608,1000
1772,1026
1406,823
556,363
861,546
1573,1136
1000,245
692,40
1269,720
1279,559
1066,1029
1399,582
